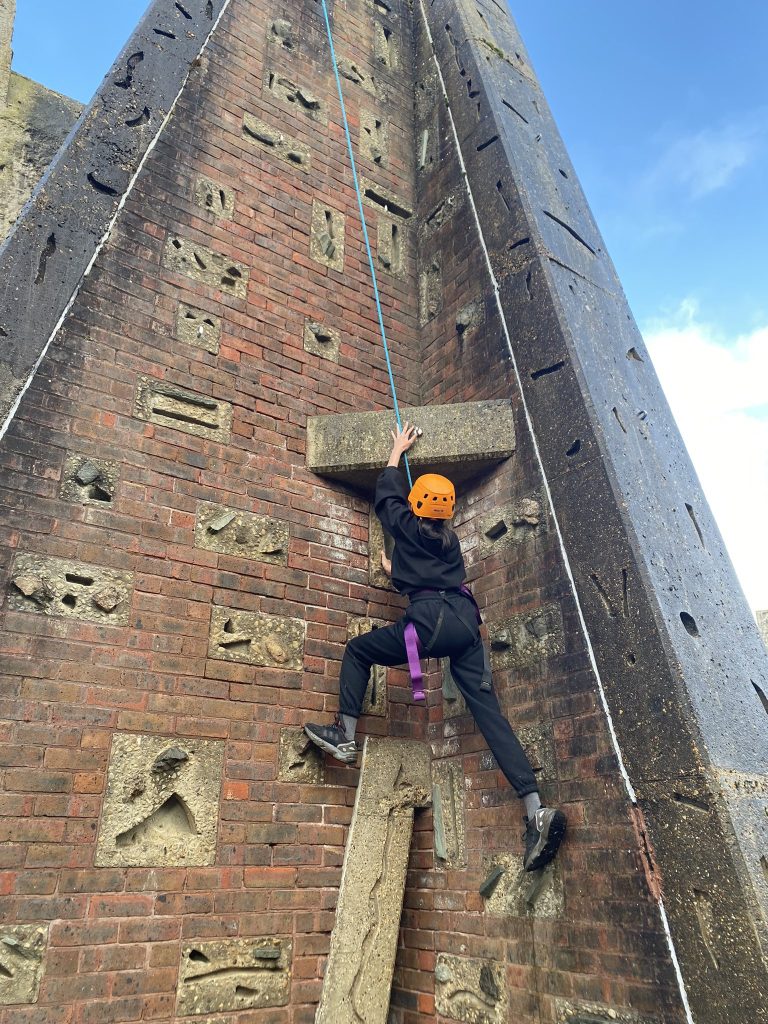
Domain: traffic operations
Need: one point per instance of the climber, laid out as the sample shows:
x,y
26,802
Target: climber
x,y
427,566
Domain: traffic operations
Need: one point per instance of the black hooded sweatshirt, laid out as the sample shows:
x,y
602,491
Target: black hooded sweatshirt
x,y
417,562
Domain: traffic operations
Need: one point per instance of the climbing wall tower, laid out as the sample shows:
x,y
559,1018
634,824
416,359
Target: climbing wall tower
x,y
194,403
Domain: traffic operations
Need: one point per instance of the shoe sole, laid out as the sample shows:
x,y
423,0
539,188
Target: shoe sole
x,y
551,838
330,749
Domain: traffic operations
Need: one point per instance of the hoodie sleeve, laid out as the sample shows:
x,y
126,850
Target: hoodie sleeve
x,y
391,503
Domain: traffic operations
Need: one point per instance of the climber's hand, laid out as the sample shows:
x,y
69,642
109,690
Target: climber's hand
x,y
386,564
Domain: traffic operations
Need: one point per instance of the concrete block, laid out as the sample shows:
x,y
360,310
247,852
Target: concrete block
x,y
394,779
171,406
75,590
22,957
299,760
198,328
448,814
202,264
273,141
470,990
326,238
232,531
519,893
375,702
89,481
274,641
524,640
161,805
321,340
227,975
215,198
459,440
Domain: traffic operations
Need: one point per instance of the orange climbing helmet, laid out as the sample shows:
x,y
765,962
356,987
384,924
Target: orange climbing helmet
x,y
432,497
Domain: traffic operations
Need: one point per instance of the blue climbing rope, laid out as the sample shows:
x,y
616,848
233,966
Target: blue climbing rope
x,y
365,232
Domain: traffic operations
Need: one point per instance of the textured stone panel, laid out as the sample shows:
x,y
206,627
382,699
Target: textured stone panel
x,y
274,641
470,990
184,410
203,264
326,239
355,74
215,198
374,137
299,97
227,975
198,328
459,440
574,1011
539,744
384,46
299,760
448,814
512,524
526,639
234,532
430,290
519,893
271,140
321,340
394,779
391,246
375,702
57,586
161,805
378,541
88,481
22,957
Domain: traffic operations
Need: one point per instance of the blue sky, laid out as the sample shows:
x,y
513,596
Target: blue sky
x,y
664,109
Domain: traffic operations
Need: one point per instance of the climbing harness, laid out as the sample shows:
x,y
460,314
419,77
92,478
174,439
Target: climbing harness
x,y
365,232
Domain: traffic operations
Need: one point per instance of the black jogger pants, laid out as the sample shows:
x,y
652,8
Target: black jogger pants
x,y
458,639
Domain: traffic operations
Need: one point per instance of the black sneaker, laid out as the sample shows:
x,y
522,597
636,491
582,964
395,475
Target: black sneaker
x,y
543,834
333,740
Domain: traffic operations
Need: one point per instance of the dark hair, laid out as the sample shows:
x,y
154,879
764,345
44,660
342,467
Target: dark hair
x,y
437,529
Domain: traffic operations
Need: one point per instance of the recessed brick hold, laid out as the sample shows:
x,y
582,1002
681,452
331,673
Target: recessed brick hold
x,y
299,760
519,893
470,317
374,137
161,805
430,290
215,198
286,91
171,406
22,958
321,340
375,702
58,586
273,641
89,481
390,246
242,534
512,524
470,990
524,640
202,264
280,31
273,141
326,241
385,199
355,74
227,975
539,745
199,328
384,46
448,814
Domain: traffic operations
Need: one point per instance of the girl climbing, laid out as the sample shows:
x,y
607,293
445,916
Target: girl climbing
x,y
428,568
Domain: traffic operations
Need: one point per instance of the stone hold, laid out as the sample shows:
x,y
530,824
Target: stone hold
x,y
161,805
384,46
349,70
326,239
321,341
281,31
453,702
184,410
430,290
374,138
74,590
523,641
394,779
378,541
448,814
470,990
273,641
202,264
22,952
214,198
242,534
570,1011
375,702
299,97
198,328
299,760
426,92
442,214
512,524
391,246
518,893
470,317
276,142
539,744
88,481
227,975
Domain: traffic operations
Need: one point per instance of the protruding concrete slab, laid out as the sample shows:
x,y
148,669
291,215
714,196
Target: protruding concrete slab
x,y
393,781
459,440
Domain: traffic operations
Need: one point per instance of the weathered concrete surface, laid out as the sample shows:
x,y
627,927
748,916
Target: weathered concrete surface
x,y
22,957
57,586
234,974
34,121
470,990
678,651
394,779
161,806
459,440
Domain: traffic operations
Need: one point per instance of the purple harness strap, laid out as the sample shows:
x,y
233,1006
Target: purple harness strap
x,y
413,650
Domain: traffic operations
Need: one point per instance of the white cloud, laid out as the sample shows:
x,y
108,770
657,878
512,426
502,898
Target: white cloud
x,y
718,390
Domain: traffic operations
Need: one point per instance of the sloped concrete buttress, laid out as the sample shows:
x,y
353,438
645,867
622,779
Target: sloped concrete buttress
x,y
394,780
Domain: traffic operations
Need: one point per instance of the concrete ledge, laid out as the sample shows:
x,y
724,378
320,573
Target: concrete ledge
x,y
459,440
